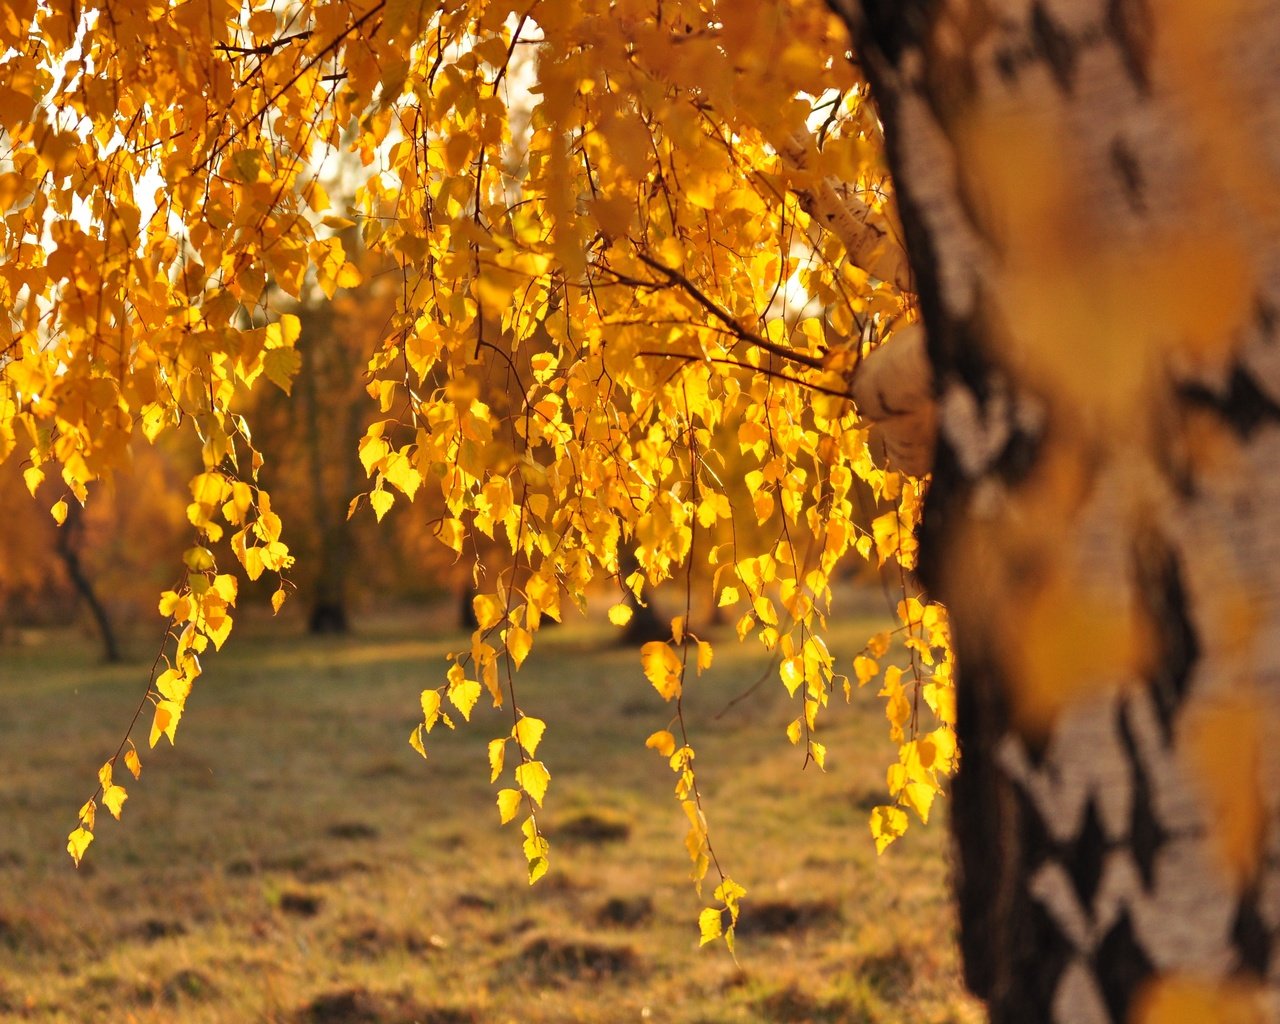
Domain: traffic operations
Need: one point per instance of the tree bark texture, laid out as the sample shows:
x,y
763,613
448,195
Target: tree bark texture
x,y
1090,194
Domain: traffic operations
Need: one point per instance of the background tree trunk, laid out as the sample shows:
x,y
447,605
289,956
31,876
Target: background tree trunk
x,y
69,539
1088,190
334,541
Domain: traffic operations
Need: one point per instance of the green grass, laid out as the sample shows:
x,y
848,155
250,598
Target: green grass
x,y
292,860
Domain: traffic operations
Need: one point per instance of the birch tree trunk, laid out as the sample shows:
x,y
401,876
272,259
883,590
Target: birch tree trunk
x,y
1090,193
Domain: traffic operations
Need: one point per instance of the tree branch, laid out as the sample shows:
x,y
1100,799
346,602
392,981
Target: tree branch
x,y
726,318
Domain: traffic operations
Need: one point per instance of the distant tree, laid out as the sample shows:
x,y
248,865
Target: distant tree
x,y
70,541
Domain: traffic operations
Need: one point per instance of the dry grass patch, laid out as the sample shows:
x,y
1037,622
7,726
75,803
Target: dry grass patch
x,y
293,861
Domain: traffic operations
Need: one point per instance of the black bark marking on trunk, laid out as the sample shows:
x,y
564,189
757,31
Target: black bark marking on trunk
x,y
1125,163
1038,847
934,527
984,823
1147,835
1268,319
1250,935
1055,46
1044,953
1018,457
896,25
1008,61
1132,28
1121,965
1162,597
1083,857
1244,406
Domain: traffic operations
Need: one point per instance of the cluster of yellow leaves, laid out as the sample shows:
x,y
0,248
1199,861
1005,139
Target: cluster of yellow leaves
x,y
927,750
622,345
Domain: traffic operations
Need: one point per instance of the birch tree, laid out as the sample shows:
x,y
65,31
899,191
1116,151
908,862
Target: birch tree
x,y
1088,193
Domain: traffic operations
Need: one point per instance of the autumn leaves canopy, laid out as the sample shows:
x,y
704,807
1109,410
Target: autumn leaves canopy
x,y
639,254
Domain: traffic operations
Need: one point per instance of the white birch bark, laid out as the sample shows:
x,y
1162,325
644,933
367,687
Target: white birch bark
x,y
1090,197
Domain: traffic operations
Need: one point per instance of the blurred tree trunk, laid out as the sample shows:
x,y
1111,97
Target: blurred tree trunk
x,y
69,539
645,625
1089,195
328,612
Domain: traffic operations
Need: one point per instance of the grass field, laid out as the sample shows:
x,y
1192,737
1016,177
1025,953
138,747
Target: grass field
x,y
292,860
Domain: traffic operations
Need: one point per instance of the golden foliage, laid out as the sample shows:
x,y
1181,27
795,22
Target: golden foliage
x,y
620,328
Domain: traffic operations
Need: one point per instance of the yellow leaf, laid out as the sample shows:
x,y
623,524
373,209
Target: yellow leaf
x,y
713,507
133,762
535,849
401,474
489,612
198,559
620,614
77,842
663,742
887,824
765,610
381,502
166,720
792,672
277,600
173,685
533,778
430,707
710,925
919,797
33,476
451,533
819,753
728,596
518,642
794,731
219,633
662,668
59,511
415,740
528,733
705,654
113,798
508,804
464,695
497,753
349,276
677,629
730,893
280,366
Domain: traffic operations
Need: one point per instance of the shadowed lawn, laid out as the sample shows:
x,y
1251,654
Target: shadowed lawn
x,y
293,860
